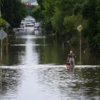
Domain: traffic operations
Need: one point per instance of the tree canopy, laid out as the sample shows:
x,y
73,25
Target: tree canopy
x,y
64,16
13,11
2,23
1,1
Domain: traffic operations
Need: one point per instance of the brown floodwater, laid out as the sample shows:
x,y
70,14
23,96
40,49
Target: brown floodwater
x,y
33,68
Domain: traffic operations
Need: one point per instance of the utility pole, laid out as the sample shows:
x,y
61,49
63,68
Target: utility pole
x,y
80,28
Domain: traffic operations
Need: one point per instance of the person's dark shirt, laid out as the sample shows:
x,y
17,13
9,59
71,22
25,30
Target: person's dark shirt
x,y
71,55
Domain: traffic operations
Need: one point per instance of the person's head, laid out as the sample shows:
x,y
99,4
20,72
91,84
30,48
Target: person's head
x,y
71,52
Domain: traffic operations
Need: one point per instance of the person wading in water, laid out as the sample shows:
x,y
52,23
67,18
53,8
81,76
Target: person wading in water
x,y
70,58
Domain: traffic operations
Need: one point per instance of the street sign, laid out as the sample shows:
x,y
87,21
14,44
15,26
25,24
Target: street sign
x,y
7,24
80,27
2,34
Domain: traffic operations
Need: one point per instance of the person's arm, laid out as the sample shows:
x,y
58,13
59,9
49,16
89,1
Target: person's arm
x,y
75,56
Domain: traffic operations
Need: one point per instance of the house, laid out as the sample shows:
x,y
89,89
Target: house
x,y
27,3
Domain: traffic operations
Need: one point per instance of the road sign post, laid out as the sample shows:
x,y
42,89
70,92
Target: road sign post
x,y
2,36
7,25
79,28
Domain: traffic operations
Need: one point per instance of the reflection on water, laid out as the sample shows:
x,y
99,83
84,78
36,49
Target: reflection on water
x,y
50,82
36,47
82,85
34,68
31,57
10,82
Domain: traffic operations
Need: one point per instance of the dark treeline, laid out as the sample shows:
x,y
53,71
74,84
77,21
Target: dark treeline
x,y
12,12
64,16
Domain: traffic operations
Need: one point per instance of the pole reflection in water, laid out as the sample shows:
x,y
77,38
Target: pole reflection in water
x,y
1,74
0,83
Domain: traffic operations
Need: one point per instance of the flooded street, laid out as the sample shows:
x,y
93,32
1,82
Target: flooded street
x,y
33,68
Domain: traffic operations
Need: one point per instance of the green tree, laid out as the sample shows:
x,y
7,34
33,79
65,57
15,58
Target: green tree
x,y
65,6
57,21
97,36
1,1
89,12
36,13
48,12
77,9
40,2
63,9
13,11
2,23
69,23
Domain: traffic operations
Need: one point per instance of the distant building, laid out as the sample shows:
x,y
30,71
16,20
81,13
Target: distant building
x,y
30,7
27,3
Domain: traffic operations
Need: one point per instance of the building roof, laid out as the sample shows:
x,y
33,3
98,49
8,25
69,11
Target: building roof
x,y
27,3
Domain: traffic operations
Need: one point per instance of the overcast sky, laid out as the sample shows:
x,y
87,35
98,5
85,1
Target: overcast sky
x,y
29,1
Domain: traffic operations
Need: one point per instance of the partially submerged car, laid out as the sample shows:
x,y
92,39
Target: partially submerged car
x,y
29,24
37,25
